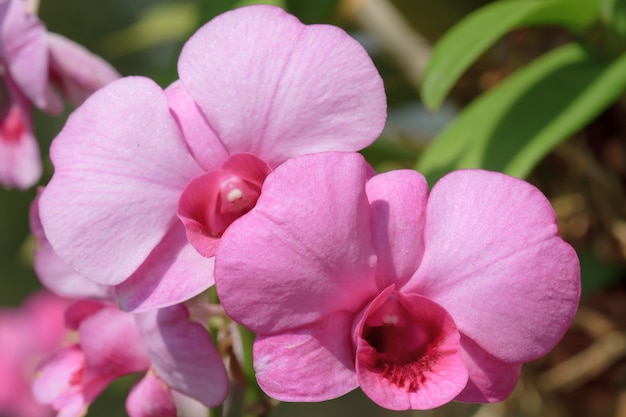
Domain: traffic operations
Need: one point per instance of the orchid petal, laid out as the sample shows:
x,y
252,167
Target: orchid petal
x,y
287,365
490,380
20,162
247,167
81,309
25,51
78,71
198,211
172,273
112,344
205,146
398,200
120,166
307,243
53,273
56,373
495,261
183,354
150,397
289,88
58,382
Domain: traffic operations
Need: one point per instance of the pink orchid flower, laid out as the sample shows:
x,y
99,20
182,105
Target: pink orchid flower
x,y
33,62
419,298
28,334
146,181
176,354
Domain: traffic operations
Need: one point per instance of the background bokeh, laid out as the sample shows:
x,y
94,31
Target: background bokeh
x,y
584,176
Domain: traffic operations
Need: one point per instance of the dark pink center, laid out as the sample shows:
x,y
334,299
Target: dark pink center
x,y
211,202
405,348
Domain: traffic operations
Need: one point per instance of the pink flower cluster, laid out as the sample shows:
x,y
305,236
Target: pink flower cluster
x,y
175,354
28,334
244,174
33,62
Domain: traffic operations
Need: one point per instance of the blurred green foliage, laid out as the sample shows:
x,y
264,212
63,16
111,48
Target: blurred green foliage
x,y
515,125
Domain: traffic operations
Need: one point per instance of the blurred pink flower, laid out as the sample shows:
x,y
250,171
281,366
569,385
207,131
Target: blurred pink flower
x,y
176,354
175,351
417,298
27,335
147,181
20,162
33,62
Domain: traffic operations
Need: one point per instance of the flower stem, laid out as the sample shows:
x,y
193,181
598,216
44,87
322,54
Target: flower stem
x,y
257,403
217,411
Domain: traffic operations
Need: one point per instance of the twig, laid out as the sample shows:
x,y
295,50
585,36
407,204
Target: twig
x,y
409,49
586,365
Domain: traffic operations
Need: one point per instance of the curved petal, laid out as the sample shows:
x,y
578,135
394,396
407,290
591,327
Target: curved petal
x,y
288,89
205,146
398,199
304,251
78,71
183,354
174,272
82,309
495,261
490,380
53,273
150,397
189,407
112,344
25,51
120,166
58,381
408,353
313,363
198,210
20,162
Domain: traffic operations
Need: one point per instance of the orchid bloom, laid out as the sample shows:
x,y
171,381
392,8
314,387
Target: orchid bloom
x,y
176,354
32,63
419,298
147,181
28,334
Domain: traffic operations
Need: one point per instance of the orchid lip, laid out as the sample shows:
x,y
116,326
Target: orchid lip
x,y
407,344
211,202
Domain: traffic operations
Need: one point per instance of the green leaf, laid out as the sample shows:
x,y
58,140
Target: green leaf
x,y
210,9
278,3
159,24
312,11
614,14
513,126
471,37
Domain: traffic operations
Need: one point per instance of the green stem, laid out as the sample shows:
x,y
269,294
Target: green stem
x,y
217,411
257,404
